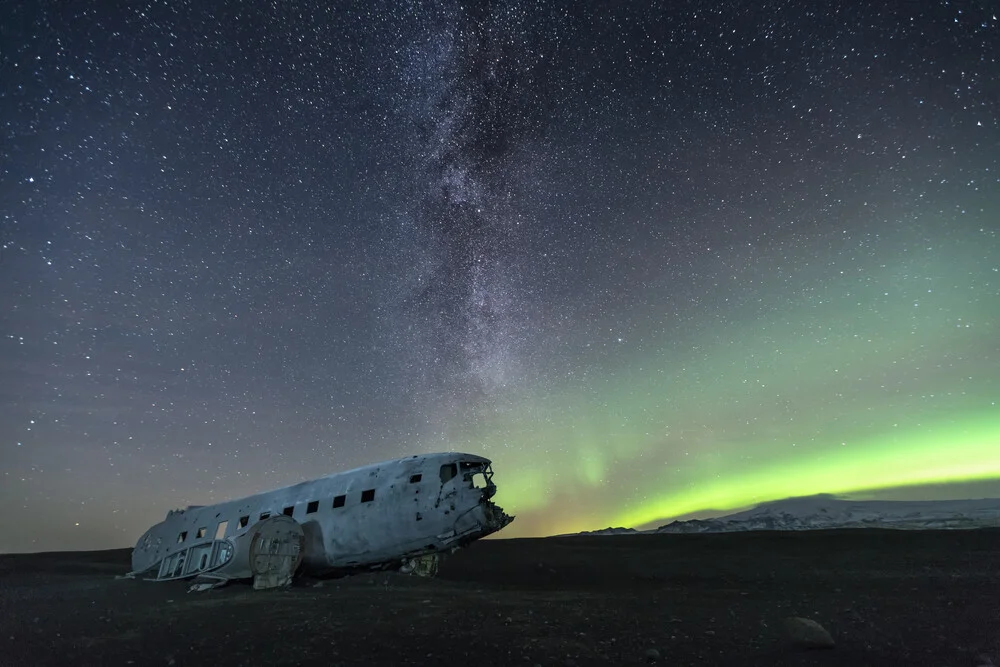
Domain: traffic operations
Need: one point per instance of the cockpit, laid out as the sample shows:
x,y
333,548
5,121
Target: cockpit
x,y
475,474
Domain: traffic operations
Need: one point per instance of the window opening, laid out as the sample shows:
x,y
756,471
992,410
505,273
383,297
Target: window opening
x,y
448,471
368,495
201,532
415,478
265,515
339,501
288,511
220,532
183,536
313,506
244,520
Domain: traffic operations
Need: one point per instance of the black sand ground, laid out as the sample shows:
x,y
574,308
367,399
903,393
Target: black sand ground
x,y
887,598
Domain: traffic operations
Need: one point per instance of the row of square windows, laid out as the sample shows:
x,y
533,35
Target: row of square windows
x,y
312,507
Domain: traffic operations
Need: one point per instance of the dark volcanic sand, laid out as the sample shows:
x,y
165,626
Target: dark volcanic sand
x,y
887,597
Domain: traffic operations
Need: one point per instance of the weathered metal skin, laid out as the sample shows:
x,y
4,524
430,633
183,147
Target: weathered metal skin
x,y
379,516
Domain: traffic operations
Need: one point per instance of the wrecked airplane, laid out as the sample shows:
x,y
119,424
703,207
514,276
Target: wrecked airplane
x,y
399,514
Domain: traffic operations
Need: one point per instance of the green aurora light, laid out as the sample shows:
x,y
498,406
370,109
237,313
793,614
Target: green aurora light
x,y
828,381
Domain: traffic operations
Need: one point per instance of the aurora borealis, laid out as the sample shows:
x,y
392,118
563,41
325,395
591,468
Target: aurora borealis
x,y
787,399
652,259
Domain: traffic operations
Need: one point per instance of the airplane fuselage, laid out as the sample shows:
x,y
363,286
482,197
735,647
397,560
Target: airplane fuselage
x,y
377,516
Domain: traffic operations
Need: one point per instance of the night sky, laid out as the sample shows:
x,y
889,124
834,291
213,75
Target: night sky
x,y
651,258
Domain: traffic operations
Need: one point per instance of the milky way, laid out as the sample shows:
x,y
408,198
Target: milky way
x,y
651,258
467,139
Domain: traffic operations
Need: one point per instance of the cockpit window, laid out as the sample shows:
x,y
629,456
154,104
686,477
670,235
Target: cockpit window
x,y
477,474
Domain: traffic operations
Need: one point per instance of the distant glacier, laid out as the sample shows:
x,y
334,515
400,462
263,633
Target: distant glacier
x,y
824,511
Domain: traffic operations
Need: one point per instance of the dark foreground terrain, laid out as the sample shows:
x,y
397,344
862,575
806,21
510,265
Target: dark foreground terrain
x,y
886,597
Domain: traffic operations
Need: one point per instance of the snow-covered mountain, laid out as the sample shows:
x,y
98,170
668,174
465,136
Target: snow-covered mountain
x,y
827,511
609,531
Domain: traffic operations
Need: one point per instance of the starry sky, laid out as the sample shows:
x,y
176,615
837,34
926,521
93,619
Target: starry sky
x,y
652,258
